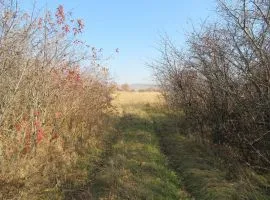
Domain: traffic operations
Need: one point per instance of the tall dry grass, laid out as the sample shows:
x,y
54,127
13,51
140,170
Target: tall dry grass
x,y
52,109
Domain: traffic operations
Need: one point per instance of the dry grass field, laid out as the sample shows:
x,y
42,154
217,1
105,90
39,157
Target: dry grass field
x,y
129,102
131,98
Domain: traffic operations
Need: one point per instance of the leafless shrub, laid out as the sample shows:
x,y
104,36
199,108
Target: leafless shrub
x,y
51,108
222,81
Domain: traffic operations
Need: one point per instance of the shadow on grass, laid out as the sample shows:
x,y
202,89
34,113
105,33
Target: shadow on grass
x,y
133,167
202,172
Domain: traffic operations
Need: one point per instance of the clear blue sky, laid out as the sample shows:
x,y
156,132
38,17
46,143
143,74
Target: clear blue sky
x,y
134,26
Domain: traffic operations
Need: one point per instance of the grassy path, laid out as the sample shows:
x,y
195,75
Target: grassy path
x,y
136,169
148,156
132,165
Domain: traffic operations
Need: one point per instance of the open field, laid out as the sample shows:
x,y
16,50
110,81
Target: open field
x,y
132,98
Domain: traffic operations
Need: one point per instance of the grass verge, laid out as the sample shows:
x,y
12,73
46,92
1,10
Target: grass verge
x,y
204,174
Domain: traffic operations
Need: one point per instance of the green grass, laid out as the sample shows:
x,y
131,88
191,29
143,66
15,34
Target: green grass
x,y
203,173
148,155
136,168
132,165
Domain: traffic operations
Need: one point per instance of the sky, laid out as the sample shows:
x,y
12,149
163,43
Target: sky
x,y
135,27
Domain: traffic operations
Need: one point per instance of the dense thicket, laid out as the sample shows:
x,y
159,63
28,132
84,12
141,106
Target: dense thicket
x,y
222,80
52,109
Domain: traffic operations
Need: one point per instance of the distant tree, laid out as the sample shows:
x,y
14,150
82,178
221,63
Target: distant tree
x,y
125,87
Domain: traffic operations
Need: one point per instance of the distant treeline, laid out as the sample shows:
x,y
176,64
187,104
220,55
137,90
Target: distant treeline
x,y
222,81
142,88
